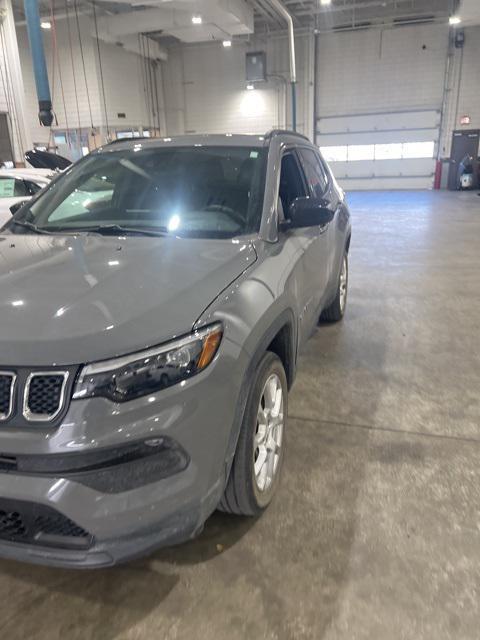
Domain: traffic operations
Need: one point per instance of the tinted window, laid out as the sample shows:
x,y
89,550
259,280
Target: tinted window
x,y
195,191
12,188
291,182
32,187
316,176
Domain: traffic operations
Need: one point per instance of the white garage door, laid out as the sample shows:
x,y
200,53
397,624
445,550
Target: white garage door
x,y
394,150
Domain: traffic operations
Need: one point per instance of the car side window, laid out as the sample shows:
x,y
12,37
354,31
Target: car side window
x,y
20,189
315,174
32,187
12,188
291,182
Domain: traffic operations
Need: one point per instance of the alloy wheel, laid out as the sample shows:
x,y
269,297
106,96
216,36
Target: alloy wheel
x,y
269,433
343,284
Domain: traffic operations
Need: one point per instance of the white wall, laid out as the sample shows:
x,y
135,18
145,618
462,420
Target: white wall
x,y
377,70
463,84
205,88
202,86
122,75
64,106
469,102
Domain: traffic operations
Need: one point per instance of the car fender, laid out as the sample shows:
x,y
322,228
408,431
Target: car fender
x,y
252,316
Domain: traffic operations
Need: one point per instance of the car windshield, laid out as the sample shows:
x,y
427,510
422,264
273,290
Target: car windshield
x,y
200,191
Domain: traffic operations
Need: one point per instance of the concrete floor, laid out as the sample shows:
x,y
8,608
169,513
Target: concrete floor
x,y
375,533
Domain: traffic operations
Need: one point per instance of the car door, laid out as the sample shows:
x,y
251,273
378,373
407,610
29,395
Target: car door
x,y
318,258
297,243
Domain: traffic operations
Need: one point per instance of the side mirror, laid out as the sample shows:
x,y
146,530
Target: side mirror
x,y
17,206
309,212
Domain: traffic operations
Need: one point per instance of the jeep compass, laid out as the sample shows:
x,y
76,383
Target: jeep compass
x,y
154,299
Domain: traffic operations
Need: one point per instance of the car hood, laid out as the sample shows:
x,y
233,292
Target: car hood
x,y
75,299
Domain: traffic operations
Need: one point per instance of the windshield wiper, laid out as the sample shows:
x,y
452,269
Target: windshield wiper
x,y
30,226
115,228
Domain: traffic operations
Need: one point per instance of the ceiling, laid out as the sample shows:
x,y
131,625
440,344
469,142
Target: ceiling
x,y
170,20
348,14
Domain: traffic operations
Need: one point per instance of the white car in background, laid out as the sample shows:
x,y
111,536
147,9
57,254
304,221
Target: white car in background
x,y
18,185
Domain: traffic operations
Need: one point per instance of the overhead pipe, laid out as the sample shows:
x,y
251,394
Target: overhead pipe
x,y
279,7
32,15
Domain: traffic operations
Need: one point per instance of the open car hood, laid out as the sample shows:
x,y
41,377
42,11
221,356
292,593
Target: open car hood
x,y
46,160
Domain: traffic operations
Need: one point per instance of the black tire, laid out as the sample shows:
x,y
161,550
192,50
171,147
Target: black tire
x,y
336,311
242,495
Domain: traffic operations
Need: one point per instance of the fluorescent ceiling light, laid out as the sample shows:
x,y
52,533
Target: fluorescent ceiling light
x,y
454,20
197,19
250,87
45,25
325,3
227,43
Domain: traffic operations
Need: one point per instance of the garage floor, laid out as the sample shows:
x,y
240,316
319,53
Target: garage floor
x,y
376,531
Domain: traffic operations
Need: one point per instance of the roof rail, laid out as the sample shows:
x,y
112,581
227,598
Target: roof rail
x,y
118,140
279,132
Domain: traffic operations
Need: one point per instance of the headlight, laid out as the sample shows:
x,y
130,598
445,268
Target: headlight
x,y
139,374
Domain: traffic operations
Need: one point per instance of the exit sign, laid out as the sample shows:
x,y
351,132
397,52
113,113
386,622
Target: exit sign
x,y
465,120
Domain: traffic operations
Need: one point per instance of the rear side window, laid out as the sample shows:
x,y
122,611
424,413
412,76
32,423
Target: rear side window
x,y
314,172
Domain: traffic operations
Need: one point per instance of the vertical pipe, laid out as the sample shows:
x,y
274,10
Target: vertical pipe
x,y
278,6
32,16
294,107
315,84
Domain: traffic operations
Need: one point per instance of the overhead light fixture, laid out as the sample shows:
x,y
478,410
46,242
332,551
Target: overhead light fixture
x,y
454,20
250,87
227,43
197,19
325,3
45,25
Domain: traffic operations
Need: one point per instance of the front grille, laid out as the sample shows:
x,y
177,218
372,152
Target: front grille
x,y
6,393
32,395
31,523
44,395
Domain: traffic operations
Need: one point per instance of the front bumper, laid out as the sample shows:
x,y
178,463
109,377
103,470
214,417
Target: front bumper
x,y
127,508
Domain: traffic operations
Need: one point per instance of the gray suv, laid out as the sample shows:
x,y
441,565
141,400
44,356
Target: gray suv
x,y
154,299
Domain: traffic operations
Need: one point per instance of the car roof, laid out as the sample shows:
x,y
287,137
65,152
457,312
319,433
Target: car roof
x,y
210,140
40,175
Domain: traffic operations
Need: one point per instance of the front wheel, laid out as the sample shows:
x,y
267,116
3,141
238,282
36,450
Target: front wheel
x,y
336,310
259,455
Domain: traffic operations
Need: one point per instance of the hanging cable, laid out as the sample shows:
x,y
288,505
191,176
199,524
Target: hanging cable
x,y
67,17
149,62
83,63
55,47
155,77
142,66
100,67
147,80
